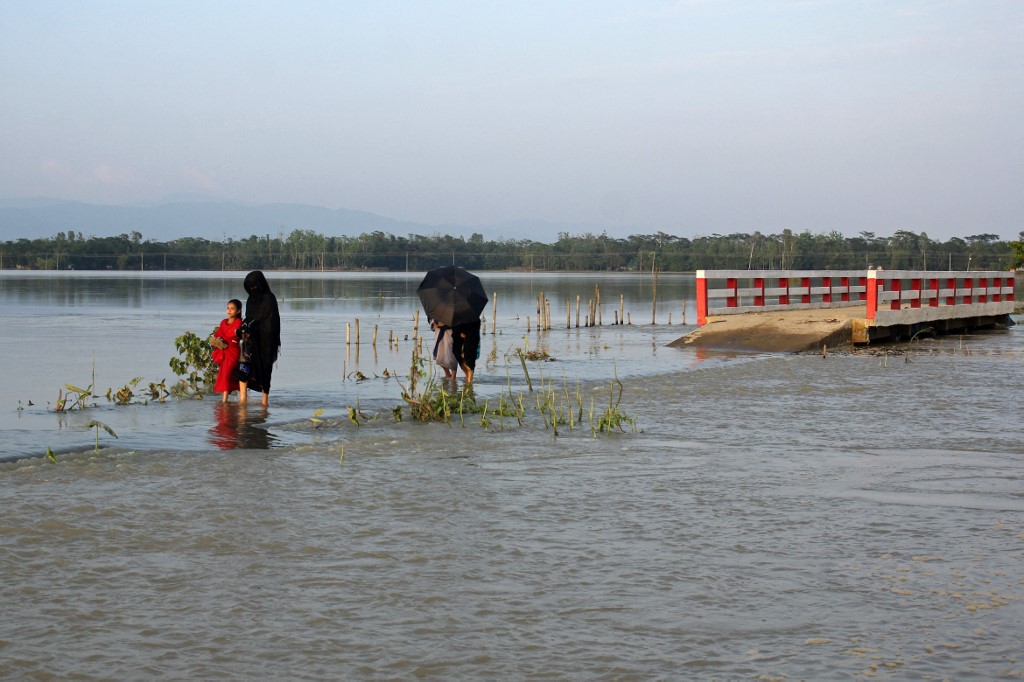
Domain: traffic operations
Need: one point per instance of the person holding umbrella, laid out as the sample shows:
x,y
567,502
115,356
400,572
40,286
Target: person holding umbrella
x,y
466,346
455,297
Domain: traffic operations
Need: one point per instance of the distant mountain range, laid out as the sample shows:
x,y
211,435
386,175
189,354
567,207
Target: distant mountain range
x,y
42,217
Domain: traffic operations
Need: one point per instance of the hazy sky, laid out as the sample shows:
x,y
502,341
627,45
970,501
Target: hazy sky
x,y
690,117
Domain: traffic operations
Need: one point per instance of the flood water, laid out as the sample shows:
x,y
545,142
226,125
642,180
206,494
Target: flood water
x,y
855,516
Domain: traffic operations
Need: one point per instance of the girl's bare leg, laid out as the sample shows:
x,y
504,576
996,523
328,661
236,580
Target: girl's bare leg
x,y
243,395
266,399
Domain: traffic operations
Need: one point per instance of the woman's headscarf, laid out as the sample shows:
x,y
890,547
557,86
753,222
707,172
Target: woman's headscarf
x,y
262,316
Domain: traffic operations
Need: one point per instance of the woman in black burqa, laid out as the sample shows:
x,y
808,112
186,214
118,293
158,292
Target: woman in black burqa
x,y
466,347
263,326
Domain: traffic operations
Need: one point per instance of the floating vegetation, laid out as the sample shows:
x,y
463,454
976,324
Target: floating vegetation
x,y
559,406
354,414
317,421
536,355
75,399
123,395
158,391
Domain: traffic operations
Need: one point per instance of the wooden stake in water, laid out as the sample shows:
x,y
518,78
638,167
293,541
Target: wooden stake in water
x,y
416,324
577,311
494,313
357,331
654,295
375,336
348,333
622,307
568,314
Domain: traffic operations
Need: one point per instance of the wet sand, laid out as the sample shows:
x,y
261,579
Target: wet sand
x,y
783,331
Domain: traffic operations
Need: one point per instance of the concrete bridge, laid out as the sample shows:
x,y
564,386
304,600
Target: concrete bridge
x,y
806,310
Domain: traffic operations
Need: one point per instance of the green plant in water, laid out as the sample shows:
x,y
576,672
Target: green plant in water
x,y
317,421
96,424
429,399
158,391
194,365
612,419
123,395
423,395
75,399
526,372
353,415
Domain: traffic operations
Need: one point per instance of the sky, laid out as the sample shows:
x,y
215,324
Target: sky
x,y
691,117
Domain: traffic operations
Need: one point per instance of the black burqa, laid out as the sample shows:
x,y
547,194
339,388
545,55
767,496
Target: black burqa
x,y
263,322
466,343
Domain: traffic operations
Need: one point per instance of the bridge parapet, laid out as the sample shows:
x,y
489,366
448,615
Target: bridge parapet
x,y
912,296
890,297
724,292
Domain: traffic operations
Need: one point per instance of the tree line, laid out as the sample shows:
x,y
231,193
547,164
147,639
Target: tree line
x,y
309,250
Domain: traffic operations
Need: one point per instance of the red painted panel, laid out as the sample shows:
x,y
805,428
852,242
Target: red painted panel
x,y
702,301
872,296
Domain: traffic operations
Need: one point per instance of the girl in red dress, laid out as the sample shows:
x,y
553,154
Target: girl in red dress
x,y
227,376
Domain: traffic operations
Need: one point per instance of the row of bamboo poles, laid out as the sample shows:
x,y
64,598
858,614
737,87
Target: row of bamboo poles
x,y
592,318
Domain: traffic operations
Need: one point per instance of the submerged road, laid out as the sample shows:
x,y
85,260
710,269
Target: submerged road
x,y
782,331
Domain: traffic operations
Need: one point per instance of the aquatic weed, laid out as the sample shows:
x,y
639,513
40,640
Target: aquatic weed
x,y
194,365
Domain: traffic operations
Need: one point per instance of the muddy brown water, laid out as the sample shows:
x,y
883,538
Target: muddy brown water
x,y
774,517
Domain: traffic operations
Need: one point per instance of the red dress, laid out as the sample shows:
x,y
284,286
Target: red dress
x,y
227,376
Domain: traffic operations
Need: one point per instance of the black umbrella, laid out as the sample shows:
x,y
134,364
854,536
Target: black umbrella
x,y
452,295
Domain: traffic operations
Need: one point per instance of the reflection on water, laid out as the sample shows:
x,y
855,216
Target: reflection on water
x,y
342,334
240,425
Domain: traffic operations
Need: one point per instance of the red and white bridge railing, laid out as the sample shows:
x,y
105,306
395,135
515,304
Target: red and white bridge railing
x,y
890,297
